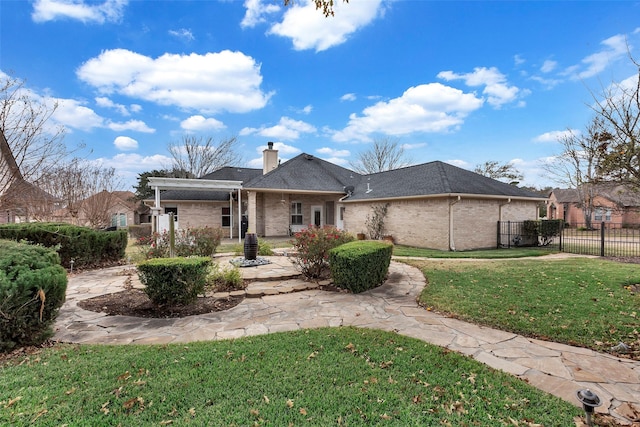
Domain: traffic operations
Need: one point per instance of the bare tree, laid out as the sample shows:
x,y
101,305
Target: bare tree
x,y
84,192
34,143
506,172
618,110
325,5
576,166
199,156
384,155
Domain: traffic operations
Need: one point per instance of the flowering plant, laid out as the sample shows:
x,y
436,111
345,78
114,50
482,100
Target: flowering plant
x,y
312,246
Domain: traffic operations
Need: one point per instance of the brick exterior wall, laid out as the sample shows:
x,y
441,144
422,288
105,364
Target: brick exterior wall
x,y
204,214
425,222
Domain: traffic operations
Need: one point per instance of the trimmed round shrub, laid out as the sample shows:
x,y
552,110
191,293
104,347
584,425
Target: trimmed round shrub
x,y
32,290
174,281
361,265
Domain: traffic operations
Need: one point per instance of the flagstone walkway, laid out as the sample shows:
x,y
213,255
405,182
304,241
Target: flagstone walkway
x,y
289,304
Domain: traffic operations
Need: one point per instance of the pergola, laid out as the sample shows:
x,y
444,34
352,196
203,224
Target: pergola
x,y
159,183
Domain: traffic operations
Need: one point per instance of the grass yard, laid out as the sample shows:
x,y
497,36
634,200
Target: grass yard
x,y
408,251
341,376
585,302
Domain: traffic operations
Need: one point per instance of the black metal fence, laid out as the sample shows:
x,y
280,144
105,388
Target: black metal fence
x,y
599,238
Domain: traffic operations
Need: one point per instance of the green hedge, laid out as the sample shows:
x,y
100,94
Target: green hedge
x,y
86,247
360,265
174,281
32,290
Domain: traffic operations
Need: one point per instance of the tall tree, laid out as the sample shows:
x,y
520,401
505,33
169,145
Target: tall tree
x,y
385,154
505,172
618,111
35,143
199,156
576,166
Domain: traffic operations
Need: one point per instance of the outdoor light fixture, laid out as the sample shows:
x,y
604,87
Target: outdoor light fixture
x,y
589,401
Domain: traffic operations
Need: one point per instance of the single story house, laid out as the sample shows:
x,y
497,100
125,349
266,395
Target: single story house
x,y
434,205
612,203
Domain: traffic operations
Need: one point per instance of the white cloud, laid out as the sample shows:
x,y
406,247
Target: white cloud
x,y
307,109
336,160
348,97
496,89
134,125
614,48
459,163
518,60
129,165
286,129
73,114
124,143
548,66
256,11
555,136
223,81
200,123
103,101
183,34
333,153
136,108
309,29
414,146
50,10
281,147
431,107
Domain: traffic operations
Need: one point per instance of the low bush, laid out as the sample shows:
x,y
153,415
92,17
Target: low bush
x,y
312,246
84,246
225,279
360,265
32,290
139,230
174,281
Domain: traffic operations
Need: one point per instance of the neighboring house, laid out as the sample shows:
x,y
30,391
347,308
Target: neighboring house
x,y
612,203
20,201
432,205
104,209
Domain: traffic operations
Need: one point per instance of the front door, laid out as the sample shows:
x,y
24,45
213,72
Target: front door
x,y
316,216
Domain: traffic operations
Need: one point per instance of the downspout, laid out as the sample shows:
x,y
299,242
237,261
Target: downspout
x,y
156,210
452,246
499,237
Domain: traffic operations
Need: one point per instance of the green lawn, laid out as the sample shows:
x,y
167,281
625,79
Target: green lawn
x,y
585,302
408,251
341,376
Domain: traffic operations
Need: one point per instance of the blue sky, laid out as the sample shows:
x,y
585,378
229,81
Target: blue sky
x,y
460,82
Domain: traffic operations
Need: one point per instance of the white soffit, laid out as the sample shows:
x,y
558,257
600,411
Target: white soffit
x,y
193,184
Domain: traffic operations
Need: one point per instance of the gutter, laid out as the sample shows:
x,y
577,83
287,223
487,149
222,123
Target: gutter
x,y
452,246
450,195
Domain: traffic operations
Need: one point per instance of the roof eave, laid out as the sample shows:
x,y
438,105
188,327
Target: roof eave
x,y
450,195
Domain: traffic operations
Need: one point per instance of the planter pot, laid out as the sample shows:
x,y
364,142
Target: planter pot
x,y
250,246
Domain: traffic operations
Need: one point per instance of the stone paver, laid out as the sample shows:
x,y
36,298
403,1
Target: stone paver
x,y
283,302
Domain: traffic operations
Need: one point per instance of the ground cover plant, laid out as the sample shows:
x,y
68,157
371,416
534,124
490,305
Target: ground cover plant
x,y
586,302
342,376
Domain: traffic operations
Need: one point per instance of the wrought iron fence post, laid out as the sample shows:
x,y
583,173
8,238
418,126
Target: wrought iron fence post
x,y
561,236
602,225
498,236
509,234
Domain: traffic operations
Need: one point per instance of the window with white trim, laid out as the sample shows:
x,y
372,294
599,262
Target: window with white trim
x,y
296,213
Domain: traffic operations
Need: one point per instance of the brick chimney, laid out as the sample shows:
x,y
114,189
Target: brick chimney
x,y
269,158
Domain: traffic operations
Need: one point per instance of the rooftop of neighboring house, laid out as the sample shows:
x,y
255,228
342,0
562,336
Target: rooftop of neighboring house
x,y
619,194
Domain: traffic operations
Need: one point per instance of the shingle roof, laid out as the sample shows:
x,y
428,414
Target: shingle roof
x,y
619,194
430,179
566,195
227,173
306,173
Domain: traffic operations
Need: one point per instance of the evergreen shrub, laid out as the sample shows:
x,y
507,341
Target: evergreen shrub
x,y
361,265
174,281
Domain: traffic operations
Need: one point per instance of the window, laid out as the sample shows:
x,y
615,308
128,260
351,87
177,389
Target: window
x,y
173,210
296,213
119,220
598,214
607,215
226,217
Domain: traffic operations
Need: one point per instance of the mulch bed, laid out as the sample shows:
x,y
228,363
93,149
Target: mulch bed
x,y
136,303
